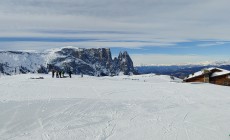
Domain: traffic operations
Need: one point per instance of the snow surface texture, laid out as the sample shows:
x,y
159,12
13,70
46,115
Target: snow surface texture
x,y
144,107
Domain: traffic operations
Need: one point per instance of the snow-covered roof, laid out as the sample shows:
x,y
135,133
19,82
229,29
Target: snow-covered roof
x,y
213,74
222,72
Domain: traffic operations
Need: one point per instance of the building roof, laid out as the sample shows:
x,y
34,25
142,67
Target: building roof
x,y
212,72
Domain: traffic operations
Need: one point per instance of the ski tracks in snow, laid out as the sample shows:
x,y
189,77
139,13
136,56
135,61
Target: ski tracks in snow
x,y
112,109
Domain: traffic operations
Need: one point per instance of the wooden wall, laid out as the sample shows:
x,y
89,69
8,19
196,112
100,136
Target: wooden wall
x,y
221,80
196,79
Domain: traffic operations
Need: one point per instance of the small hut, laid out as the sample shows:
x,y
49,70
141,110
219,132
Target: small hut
x,y
210,75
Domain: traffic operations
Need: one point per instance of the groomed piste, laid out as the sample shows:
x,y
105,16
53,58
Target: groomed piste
x,y
143,107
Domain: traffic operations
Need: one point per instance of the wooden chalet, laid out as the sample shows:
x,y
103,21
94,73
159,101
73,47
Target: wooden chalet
x,y
211,75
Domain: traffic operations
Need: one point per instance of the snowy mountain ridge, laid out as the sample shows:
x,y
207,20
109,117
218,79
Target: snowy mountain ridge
x,y
205,63
78,60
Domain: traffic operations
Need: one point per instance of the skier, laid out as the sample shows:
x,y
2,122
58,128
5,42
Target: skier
x,y
53,72
70,73
57,74
63,73
60,74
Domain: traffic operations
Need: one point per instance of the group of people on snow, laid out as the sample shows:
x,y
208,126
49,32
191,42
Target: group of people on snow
x,y
60,74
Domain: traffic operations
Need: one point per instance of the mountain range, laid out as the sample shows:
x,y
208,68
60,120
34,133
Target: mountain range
x,y
96,62
181,71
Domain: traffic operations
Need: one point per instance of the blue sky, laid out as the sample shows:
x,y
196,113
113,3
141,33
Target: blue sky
x,y
208,48
152,31
194,52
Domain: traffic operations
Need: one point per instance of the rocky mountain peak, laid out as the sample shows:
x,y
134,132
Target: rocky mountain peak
x,y
125,63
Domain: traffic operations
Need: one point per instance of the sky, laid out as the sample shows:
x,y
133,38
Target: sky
x,y
152,31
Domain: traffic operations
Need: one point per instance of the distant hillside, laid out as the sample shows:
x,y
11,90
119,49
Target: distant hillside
x,y
93,61
177,71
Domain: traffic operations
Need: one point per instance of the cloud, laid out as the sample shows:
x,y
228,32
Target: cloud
x,y
122,23
42,44
210,44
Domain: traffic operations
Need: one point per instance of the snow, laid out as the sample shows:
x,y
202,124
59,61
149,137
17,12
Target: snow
x,y
199,73
223,72
139,107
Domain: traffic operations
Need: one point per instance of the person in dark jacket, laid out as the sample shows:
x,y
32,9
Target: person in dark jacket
x,y
57,76
53,72
70,74
60,74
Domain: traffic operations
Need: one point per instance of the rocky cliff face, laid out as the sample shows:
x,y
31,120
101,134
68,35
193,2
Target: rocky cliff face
x,y
97,62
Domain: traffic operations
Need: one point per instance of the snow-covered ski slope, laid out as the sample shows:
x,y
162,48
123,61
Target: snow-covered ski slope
x,y
144,107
